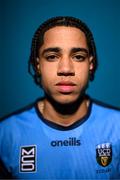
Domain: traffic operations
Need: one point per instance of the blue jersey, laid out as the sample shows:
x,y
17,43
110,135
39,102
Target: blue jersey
x,y
32,147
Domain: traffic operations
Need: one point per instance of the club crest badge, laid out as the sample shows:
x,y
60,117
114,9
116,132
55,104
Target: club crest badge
x,y
104,154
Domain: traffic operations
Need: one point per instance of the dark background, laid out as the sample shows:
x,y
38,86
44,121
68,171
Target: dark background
x,y
18,22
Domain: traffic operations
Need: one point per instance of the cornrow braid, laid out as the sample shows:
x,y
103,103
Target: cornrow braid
x,y
38,39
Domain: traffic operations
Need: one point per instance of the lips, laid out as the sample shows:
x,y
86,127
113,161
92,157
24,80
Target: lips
x,y
65,86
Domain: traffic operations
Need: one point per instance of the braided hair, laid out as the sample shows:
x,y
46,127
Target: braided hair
x,y
38,40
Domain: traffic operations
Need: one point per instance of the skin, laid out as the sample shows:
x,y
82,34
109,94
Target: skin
x,y
64,64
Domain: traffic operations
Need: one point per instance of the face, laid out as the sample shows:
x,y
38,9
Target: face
x,y
64,64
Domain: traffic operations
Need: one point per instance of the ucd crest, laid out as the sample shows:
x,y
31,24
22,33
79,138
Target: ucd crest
x,y
104,154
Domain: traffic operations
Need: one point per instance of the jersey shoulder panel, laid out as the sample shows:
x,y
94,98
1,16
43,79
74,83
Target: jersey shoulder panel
x,y
104,109
106,116
15,125
22,114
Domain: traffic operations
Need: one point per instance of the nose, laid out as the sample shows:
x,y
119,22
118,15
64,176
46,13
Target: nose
x,y
65,67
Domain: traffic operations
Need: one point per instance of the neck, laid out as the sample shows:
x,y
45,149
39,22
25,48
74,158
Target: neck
x,y
64,114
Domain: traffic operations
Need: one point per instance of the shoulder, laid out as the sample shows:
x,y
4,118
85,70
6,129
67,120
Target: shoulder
x,y
105,111
105,121
14,127
17,116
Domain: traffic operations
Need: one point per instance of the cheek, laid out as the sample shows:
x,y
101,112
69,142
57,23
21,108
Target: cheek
x,y
48,74
82,71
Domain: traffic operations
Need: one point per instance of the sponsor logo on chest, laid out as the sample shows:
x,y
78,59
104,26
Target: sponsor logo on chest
x,y
71,141
28,158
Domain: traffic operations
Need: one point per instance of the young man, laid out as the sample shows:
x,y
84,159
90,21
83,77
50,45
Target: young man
x,y
65,135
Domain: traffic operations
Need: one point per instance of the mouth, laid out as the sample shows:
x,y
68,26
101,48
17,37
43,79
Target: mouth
x,y
65,86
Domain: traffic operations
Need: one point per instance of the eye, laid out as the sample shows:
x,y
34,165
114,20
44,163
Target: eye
x,y
79,57
51,57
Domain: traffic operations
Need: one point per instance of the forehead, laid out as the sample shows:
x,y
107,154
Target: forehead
x,y
65,36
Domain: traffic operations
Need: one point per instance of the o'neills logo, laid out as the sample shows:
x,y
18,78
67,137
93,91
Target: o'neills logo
x,y
72,141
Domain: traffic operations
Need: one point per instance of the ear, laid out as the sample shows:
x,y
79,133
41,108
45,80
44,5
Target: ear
x,y
91,59
38,66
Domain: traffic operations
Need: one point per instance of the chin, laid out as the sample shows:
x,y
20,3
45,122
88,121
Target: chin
x,y
66,99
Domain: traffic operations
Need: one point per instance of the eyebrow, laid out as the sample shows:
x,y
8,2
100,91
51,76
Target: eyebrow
x,y
57,49
74,50
51,49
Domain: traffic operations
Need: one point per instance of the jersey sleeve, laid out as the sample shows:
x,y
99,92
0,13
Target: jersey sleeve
x,y
4,174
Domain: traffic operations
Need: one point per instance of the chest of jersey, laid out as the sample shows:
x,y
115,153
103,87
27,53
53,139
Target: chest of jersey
x,y
31,149
46,153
